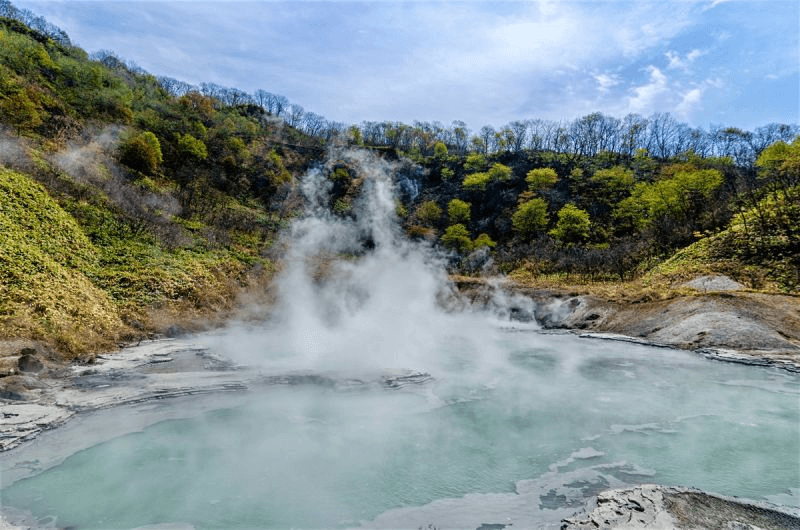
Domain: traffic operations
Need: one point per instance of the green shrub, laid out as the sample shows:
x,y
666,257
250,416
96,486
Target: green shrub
x,y
456,237
530,217
572,226
499,172
475,162
190,147
429,213
458,211
476,181
483,240
142,153
541,178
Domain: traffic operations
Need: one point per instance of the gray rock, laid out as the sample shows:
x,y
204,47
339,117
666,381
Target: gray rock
x,y
28,362
717,282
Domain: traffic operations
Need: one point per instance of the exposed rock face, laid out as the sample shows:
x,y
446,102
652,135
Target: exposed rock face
x,y
659,507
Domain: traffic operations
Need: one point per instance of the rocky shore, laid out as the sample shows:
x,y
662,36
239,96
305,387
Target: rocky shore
x,y
661,508
712,317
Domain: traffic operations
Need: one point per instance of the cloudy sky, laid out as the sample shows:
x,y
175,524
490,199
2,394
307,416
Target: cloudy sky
x,y
729,62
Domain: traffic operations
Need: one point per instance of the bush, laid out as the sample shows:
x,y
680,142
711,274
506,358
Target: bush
x,y
476,181
483,240
429,213
475,162
530,217
190,147
572,226
459,211
456,237
500,172
142,153
541,178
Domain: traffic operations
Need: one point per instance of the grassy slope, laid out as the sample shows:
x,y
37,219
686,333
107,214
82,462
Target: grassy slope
x,y
93,252
44,257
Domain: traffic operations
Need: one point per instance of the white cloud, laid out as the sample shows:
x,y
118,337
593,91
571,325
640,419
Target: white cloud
x,y
690,102
676,62
606,81
649,97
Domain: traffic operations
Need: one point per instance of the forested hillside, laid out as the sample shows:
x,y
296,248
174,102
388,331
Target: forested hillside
x,y
124,208
131,203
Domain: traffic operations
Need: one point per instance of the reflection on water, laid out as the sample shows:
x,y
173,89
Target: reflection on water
x,y
557,420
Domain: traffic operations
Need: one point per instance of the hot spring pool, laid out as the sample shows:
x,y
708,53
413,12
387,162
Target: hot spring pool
x,y
523,439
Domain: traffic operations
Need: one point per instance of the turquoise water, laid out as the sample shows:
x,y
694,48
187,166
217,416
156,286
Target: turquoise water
x,y
319,457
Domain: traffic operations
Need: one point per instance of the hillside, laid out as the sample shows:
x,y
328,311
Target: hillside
x,y
126,210
132,205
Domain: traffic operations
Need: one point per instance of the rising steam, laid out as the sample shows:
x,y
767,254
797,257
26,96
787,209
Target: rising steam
x,y
354,294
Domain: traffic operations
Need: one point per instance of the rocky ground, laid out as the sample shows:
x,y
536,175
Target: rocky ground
x,y
661,508
712,316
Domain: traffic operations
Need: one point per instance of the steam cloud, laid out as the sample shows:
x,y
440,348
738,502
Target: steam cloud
x,y
356,295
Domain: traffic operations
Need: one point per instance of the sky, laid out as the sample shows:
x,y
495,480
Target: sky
x,y
711,62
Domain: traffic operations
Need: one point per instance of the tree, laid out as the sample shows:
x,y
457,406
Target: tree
x,y
475,162
541,178
530,217
483,240
142,152
499,172
458,211
456,237
678,196
190,147
429,213
615,183
439,151
295,115
572,226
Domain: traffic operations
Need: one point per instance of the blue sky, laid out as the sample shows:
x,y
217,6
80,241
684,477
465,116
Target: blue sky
x,y
728,62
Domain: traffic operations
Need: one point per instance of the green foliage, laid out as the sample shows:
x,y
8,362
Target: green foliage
x,y
18,110
459,211
342,207
530,218
475,162
572,226
615,183
541,178
23,54
675,196
476,181
483,240
429,213
141,152
456,237
781,160
499,172
439,151
189,147
400,209
447,173
341,174
44,293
